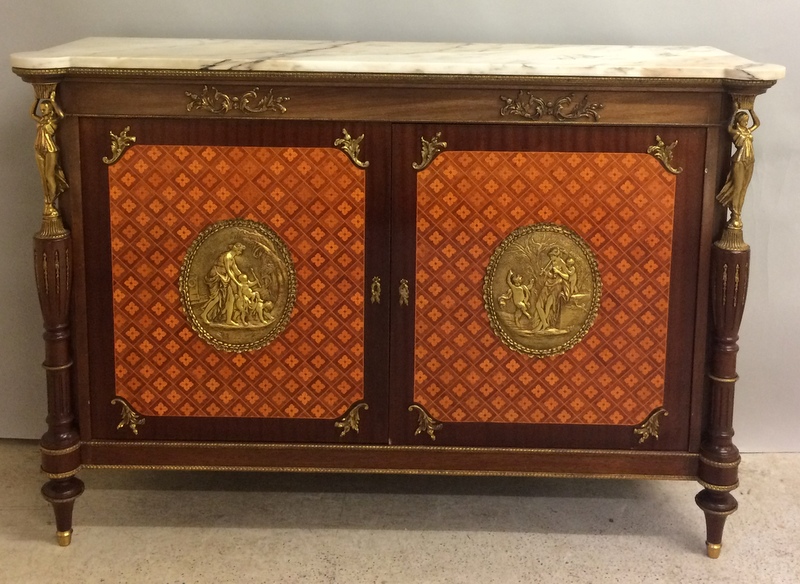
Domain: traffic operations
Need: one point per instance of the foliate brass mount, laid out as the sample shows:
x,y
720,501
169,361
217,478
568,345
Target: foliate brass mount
x,y
238,285
129,417
375,290
352,147
216,102
663,153
48,114
430,150
426,422
404,292
351,419
542,289
650,426
530,107
741,170
119,144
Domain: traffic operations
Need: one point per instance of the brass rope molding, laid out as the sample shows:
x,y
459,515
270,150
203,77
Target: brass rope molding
x,y
389,471
64,452
716,464
472,449
445,79
718,488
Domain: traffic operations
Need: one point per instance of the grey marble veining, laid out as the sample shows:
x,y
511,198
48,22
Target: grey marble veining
x,y
399,58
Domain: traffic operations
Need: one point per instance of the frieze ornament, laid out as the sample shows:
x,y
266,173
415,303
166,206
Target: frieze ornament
x,y
214,101
238,285
534,108
542,289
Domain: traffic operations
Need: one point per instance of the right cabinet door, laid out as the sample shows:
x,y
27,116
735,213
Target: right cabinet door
x,y
552,286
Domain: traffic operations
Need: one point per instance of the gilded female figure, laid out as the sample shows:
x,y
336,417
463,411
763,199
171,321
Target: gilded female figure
x,y
53,180
554,292
735,188
223,284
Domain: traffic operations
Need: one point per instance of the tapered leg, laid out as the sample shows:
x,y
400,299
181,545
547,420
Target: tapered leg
x,y
60,445
719,457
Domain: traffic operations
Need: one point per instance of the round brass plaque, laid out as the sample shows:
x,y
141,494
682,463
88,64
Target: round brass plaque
x,y
542,289
238,285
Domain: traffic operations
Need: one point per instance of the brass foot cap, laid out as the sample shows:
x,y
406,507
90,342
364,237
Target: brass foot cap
x,y
713,550
64,538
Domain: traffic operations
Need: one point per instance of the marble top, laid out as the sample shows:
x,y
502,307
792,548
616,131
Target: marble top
x,y
399,58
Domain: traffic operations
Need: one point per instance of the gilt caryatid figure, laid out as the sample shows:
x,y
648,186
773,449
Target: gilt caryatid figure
x,y
47,114
741,171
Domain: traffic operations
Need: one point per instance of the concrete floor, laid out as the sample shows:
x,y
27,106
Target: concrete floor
x,y
181,528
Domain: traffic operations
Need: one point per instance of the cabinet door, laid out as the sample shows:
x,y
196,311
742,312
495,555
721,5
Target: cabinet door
x,y
552,283
225,281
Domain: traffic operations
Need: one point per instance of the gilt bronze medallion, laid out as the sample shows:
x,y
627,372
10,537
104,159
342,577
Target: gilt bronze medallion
x,y
238,285
542,289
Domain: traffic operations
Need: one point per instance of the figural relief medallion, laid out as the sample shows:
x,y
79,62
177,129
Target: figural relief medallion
x,y
238,285
542,289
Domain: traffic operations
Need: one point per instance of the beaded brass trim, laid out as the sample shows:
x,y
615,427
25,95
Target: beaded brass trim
x,y
62,475
716,464
405,471
295,446
59,501
722,513
447,79
719,488
65,451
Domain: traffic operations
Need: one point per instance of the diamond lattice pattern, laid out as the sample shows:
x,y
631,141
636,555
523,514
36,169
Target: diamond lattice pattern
x,y
161,198
622,205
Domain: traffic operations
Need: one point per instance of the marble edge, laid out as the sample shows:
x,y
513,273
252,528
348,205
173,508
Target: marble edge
x,y
215,55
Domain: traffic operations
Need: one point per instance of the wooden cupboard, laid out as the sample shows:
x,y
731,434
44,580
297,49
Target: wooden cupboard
x,y
496,274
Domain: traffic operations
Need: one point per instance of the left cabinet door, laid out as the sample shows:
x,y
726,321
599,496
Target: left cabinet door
x,y
227,280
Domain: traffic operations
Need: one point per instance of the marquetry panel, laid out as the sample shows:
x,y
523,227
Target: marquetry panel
x,y
621,205
161,198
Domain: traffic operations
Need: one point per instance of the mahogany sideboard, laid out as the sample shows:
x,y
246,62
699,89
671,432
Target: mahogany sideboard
x,y
392,258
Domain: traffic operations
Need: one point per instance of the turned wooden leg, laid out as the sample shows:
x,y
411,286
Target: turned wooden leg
x,y
719,457
60,445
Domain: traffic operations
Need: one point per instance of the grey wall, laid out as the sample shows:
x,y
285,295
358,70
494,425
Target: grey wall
x,y
767,402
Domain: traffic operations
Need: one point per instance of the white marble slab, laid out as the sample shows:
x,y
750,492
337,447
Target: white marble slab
x,y
391,57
